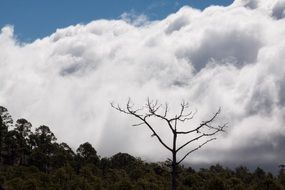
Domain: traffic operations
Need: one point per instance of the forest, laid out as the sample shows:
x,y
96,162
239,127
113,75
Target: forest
x,y
32,159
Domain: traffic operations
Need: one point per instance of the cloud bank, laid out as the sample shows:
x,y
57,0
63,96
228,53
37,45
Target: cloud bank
x,y
231,57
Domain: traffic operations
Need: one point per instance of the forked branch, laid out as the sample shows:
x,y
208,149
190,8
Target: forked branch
x,y
203,124
195,149
129,110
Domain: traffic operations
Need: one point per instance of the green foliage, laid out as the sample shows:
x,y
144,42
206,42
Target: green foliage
x,y
5,116
281,176
87,154
215,184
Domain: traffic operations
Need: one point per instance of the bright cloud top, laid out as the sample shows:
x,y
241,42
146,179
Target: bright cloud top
x,y
231,57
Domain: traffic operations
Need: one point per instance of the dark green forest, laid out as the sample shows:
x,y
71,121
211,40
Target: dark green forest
x,y
32,159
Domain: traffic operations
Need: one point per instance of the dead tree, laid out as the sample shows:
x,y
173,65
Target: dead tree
x,y
205,130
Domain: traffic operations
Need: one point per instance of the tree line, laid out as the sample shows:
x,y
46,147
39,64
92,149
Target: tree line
x,y
32,159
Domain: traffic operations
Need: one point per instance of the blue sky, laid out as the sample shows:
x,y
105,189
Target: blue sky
x,y
38,18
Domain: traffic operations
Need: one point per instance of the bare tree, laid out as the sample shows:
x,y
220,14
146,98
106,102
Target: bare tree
x,y
153,109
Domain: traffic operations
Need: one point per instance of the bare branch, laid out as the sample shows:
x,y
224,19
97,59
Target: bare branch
x,y
195,149
166,110
117,107
154,132
203,124
184,116
129,110
184,105
190,141
138,124
188,116
153,108
220,129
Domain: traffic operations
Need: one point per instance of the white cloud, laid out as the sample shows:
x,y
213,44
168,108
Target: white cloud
x,y
231,57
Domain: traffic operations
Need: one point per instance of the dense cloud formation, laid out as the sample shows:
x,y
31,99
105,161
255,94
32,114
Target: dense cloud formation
x,y
231,57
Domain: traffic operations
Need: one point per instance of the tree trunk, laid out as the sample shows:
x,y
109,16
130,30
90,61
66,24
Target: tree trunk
x,y
174,164
173,173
